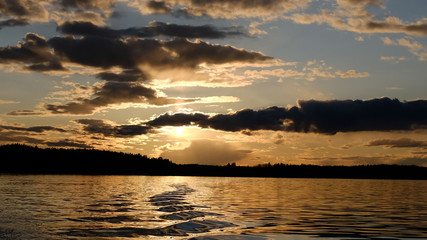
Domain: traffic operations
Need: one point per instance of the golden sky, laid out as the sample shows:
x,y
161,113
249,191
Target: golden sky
x,y
335,82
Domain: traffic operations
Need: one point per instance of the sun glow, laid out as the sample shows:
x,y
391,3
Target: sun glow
x,y
179,131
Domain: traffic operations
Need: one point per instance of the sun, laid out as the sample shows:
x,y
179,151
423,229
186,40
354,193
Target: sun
x,y
179,131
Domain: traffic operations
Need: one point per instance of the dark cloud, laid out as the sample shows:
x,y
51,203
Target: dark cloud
x,y
37,129
356,3
131,52
228,9
13,23
113,93
68,143
13,137
187,31
88,4
412,29
34,52
34,135
418,161
279,139
88,28
48,66
381,114
33,49
398,143
24,113
128,75
416,28
159,6
94,51
206,152
365,160
325,117
22,9
154,29
94,126
266,119
194,53
179,119
37,54
247,119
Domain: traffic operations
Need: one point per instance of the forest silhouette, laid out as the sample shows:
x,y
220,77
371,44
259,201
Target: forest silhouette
x,y
23,159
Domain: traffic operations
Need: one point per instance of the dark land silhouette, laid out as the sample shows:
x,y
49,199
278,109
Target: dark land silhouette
x,y
23,159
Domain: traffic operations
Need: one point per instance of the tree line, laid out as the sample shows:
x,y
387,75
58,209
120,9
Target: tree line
x,y
23,159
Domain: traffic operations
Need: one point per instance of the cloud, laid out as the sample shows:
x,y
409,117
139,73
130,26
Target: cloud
x,y
17,137
395,88
13,137
133,52
23,9
348,15
393,59
13,23
40,135
166,63
206,152
68,143
228,9
247,119
37,129
114,93
7,102
178,119
413,46
25,113
63,15
108,129
366,160
95,11
398,143
353,16
419,161
312,116
154,29
352,74
325,117
127,75
159,6
33,52
393,25
312,71
88,4
358,3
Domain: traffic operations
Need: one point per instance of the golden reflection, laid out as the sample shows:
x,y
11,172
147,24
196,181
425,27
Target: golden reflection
x,y
119,207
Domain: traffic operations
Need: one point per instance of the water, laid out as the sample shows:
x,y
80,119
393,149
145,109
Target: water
x,y
202,208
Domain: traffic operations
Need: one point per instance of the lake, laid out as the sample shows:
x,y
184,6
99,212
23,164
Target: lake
x,y
209,208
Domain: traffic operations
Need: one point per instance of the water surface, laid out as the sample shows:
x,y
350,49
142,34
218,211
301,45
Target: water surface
x,y
202,208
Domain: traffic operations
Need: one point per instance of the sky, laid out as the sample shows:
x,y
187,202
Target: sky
x,y
332,82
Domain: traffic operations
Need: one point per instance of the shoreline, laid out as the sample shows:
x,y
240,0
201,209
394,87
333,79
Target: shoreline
x,y
21,159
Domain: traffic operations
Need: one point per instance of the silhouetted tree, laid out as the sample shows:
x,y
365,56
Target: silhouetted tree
x,y
22,159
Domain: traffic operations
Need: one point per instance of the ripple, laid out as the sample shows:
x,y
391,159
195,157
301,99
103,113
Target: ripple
x,y
180,229
115,219
175,208
229,237
187,215
171,202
